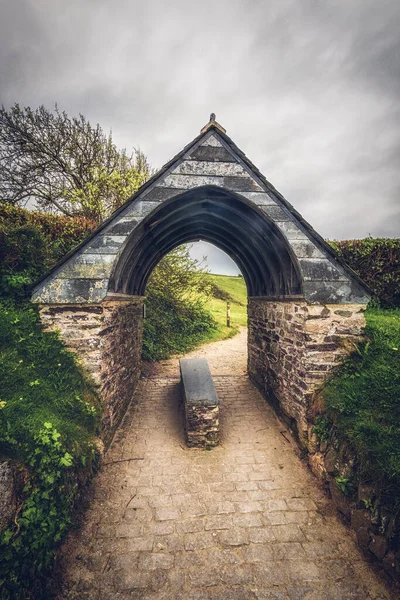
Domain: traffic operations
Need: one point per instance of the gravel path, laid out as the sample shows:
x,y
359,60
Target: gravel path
x,y
224,358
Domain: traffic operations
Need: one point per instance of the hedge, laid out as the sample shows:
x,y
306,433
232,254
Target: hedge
x,y
32,242
62,233
377,262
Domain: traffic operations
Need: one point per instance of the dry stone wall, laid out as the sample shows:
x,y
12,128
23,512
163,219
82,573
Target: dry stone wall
x,y
368,508
293,346
107,339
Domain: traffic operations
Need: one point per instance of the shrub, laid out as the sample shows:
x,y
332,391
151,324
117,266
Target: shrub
x,y
32,242
377,262
176,319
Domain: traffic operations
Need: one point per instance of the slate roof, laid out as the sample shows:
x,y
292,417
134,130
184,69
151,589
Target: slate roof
x,y
219,131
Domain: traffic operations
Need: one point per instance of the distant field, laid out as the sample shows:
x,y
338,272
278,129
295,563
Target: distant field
x,y
236,288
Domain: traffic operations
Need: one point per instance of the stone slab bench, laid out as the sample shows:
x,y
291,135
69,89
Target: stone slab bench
x,y
201,403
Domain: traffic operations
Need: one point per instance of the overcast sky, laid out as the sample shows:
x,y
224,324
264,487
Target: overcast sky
x,y
308,89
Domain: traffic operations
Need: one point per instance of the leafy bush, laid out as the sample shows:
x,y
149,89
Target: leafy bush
x,y
176,319
32,242
377,262
48,416
363,397
173,328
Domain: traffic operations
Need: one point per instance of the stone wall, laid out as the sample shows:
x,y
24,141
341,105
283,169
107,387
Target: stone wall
x,y
293,346
367,508
107,338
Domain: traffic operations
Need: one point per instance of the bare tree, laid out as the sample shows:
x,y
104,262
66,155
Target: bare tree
x,y
64,164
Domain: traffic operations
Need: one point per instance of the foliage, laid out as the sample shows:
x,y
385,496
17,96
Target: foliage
x,y
377,262
49,415
176,319
363,397
345,485
322,427
64,163
32,242
235,287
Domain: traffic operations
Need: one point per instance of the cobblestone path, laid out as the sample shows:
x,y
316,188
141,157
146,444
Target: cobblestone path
x,y
243,521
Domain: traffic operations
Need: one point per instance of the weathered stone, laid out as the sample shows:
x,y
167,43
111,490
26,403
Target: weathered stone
x,y
222,169
341,502
106,243
211,161
122,227
378,546
108,339
331,461
201,404
363,537
321,269
276,213
317,465
211,153
287,356
62,291
7,493
360,518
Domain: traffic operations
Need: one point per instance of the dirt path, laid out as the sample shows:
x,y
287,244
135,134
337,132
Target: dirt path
x,y
244,521
224,358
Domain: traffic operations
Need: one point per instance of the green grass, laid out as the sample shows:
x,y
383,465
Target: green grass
x,y
40,382
48,417
363,397
235,288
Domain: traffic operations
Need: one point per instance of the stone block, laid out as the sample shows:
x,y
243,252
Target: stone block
x,y
363,537
220,169
106,243
260,198
276,213
212,141
7,493
378,546
321,269
201,404
211,153
317,465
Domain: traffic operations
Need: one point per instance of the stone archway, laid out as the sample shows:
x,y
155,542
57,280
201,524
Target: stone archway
x,y
303,302
222,218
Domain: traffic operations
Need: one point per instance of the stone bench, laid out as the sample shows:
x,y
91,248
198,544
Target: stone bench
x,y
201,403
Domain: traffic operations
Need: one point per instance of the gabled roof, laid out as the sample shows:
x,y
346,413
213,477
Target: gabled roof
x,y
212,129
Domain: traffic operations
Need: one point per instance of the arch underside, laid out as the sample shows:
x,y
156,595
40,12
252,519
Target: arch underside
x,y
222,218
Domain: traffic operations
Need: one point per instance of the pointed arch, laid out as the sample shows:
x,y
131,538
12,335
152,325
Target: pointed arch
x,y
222,218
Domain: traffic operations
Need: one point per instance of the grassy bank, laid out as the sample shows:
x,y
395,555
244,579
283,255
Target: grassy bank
x,y
48,419
363,399
234,290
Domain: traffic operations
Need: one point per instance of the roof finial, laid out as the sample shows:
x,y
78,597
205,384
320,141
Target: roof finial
x,y
213,123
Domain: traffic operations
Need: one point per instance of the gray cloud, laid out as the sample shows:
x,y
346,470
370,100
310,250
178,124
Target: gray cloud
x,y
309,90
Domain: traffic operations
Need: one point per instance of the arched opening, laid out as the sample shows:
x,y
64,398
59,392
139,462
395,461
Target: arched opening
x,y
231,223
196,305
222,218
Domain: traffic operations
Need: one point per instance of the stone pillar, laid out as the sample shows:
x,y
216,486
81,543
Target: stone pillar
x,y
293,347
107,339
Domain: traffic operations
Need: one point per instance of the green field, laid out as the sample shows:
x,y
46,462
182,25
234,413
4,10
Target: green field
x,y
235,288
